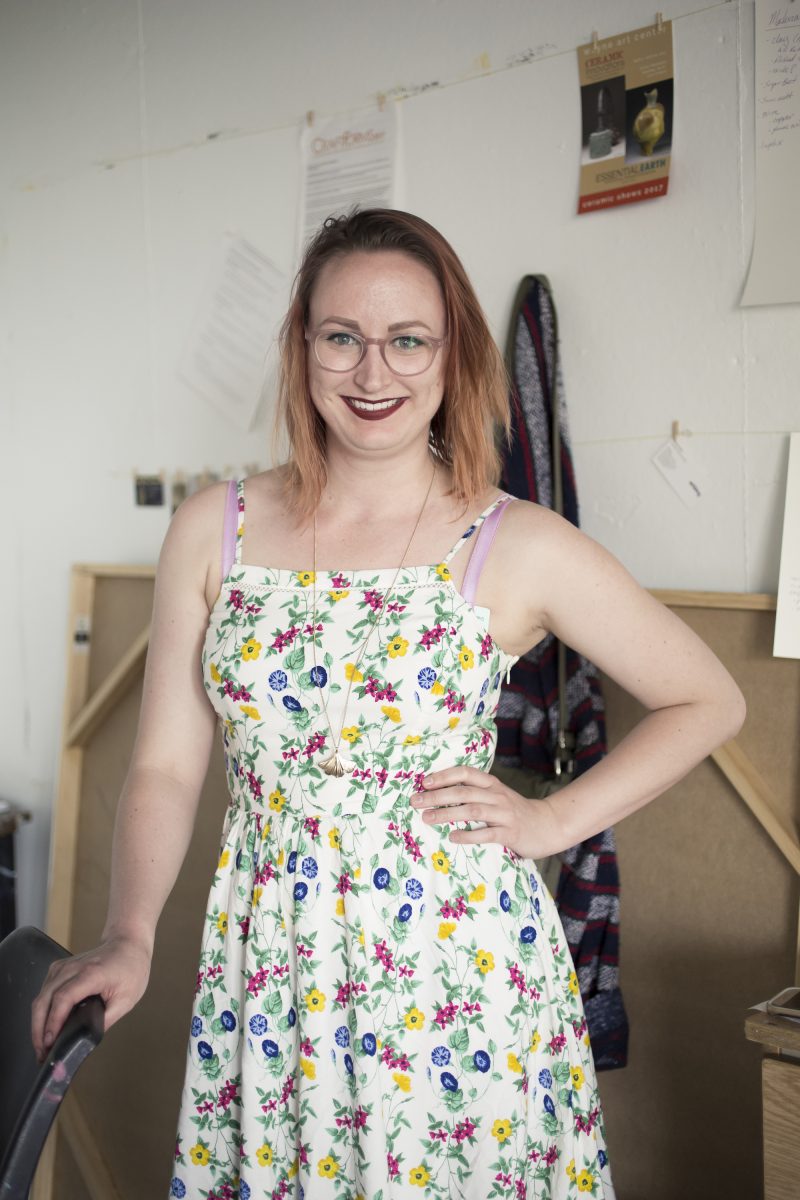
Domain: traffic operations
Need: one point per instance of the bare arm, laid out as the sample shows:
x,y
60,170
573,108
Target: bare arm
x,y
157,808
578,591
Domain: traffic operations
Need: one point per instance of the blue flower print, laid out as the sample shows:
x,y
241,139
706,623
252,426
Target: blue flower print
x,y
292,704
449,1082
537,906
342,1036
381,878
545,1078
258,1024
484,687
505,901
405,912
291,1017
278,681
236,767
549,1106
300,890
369,1043
482,1060
204,1050
244,1190
197,1026
480,709
534,882
602,1158
348,1064
440,1056
291,862
270,1048
426,678
228,1020
309,867
496,682
527,934
413,888
177,1188
318,676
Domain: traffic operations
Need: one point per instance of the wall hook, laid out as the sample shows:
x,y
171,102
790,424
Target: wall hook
x,y
659,21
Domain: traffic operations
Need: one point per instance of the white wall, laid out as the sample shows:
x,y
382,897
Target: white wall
x,y
140,133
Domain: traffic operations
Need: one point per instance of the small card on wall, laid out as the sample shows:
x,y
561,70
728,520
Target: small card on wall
x,y
684,477
626,109
787,617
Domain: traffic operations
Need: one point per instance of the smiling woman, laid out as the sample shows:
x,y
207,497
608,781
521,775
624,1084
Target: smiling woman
x,y
385,1000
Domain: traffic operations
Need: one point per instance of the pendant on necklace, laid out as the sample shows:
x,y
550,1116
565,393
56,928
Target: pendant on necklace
x,y
337,765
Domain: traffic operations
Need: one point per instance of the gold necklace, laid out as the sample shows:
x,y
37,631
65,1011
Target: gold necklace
x,y
336,764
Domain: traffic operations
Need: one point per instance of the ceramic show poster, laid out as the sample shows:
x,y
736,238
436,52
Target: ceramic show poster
x,y
626,109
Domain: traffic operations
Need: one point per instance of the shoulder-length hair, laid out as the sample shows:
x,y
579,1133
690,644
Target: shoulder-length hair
x,y
474,413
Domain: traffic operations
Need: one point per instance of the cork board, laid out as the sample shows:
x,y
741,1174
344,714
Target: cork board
x,y
709,920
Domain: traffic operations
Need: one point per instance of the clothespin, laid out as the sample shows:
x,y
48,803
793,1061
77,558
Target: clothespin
x,y
594,40
659,21
676,429
310,118
381,98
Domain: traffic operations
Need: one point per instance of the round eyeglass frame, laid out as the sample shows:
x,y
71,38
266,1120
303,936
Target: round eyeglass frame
x,y
313,335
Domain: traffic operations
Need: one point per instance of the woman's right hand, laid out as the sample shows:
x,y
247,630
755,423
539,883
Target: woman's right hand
x,y
117,971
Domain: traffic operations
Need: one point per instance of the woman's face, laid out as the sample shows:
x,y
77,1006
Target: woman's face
x,y
386,294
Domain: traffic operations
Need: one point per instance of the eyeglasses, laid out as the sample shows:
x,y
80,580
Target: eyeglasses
x,y
403,353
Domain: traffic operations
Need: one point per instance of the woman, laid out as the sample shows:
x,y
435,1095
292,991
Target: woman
x,y
386,1005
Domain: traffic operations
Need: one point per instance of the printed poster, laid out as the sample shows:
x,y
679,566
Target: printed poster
x,y
626,110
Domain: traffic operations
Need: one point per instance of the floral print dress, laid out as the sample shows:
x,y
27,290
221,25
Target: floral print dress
x,y
380,1013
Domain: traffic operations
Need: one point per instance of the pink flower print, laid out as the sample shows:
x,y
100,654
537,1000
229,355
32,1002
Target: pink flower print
x,y
373,599
198,982
360,1117
418,778
316,742
371,686
392,1166
469,1009
551,1156
309,629
454,912
345,884
257,981
205,1107
386,693
228,1093
438,1135
406,972
382,775
446,1015
304,951
290,754
486,646
254,785
472,748
344,1122
557,1043
517,977
453,705
411,845
282,640
521,1189
244,925
431,637
395,607
302,1152
236,599
384,955
365,774
486,737
311,825
253,608
503,1178
463,1130
287,1089
306,1048
240,504
339,581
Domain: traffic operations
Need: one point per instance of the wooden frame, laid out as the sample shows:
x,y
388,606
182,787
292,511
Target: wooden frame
x,y
84,714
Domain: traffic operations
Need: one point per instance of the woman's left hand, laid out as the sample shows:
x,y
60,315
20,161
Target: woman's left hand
x,y
530,828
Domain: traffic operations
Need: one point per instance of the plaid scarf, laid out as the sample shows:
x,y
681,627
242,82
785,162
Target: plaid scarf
x,y
587,896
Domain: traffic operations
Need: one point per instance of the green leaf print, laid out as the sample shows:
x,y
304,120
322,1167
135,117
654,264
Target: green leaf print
x,y
459,1040
561,1072
295,659
206,1007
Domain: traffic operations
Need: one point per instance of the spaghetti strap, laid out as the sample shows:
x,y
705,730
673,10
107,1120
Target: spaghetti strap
x,y
480,550
476,524
232,528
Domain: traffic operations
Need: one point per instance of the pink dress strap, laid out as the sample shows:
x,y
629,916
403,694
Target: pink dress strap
x,y
230,528
480,551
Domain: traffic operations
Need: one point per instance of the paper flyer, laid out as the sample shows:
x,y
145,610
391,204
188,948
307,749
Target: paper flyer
x,y
774,276
626,86
346,160
787,617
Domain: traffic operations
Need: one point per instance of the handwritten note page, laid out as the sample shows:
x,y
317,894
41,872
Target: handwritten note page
x,y
774,276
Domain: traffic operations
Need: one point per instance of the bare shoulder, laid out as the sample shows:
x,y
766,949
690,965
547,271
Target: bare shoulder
x,y
191,556
267,491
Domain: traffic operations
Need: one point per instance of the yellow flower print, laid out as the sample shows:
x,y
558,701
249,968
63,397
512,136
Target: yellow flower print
x,y
361,937
352,734
402,1081
577,1077
587,1041
222,922
280,858
328,1167
334,838
571,1169
397,647
514,1064
224,859
477,894
200,1154
390,712
266,831
340,907
251,712
484,961
453,722
351,671
257,894
437,688
338,594
308,1068
264,1155
585,1181
357,873
412,740
573,983
251,649
215,675
440,861
414,1018
467,658
418,1176
276,800
315,1000
535,1040
501,1130
446,928
304,578
443,571
294,1167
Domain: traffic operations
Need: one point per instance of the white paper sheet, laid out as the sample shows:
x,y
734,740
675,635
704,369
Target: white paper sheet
x,y
774,276
346,160
787,618
231,349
